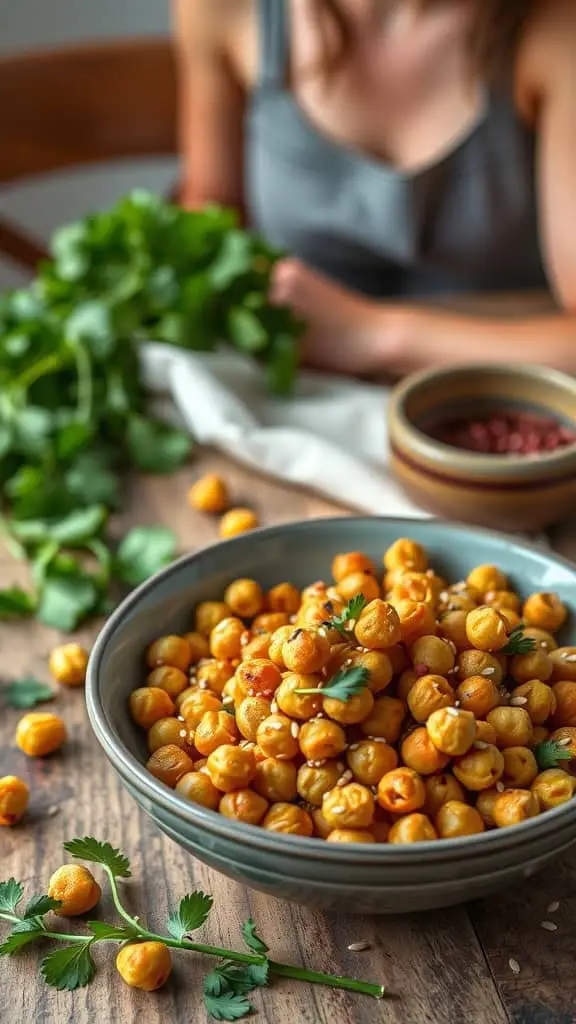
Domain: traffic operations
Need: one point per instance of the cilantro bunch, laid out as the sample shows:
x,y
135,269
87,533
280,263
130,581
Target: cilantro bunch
x,y
73,413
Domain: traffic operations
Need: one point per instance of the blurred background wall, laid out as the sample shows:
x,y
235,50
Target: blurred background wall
x,y
42,24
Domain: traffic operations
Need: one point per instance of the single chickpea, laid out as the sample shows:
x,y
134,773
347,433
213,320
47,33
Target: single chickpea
x,y
199,647
284,597
258,678
418,752
501,599
546,611
197,787
298,705
535,665
479,769
214,729
486,629
565,694
244,805
350,806
150,703
275,737
68,664
485,733
269,622
277,641
515,806
414,828
370,760
456,818
169,650
170,731
209,494
398,658
231,767
416,620
169,764
479,663
249,714
352,711
451,601
378,665
313,783
359,583
439,790
485,805
413,586
208,615
401,791
406,554
478,694
14,795
538,699
566,736
173,680
513,726
236,521
452,626
352,562
434,653
406,683
182,697
429,694
244,597
314,592
553,787
321,739
563,664
511,618
144,965
275,780
257,647
350,835
306,651
226,639
75,888
321,827
197,704
452,731
544,640
385,719
289,819
378,626
40,733
215,674
485,578
520,767
316,614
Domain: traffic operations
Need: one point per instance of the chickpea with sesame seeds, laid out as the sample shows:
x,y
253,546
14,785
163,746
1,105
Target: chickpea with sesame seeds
x,y
434,652
169,764
385,720
231,767
276,780
214,729
513,726
313,783
546,611
502,599
429,694
378,626
321,739
170,731
237,520
418,752
537,698
566,736
258,678
298,705
170,650
478,694
275,739
534,665
406,554
379,667
471,662
563,664
452,731
197,704
244,805
485,578
359,583
352,711
350,806
306,651
416,620
173,680
479,769
249,714
277,641
369,761
214,673
452,626
486,629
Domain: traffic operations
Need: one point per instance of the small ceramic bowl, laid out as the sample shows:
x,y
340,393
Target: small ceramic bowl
x,y
336,876
508,492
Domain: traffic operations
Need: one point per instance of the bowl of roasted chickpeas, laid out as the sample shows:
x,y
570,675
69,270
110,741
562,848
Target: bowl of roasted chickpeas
x,y
363,714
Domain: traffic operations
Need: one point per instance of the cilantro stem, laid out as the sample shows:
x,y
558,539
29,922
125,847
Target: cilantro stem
x,y
38,369
84,371
60,936
366,988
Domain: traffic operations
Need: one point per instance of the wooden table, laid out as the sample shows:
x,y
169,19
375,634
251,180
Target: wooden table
x,y
451,966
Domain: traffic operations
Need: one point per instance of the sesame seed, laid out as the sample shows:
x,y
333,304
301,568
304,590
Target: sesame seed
x,y
444,595
480,745
203,685
378,739
544,646
518,702
338,810
456,703
204,770
52,811
569,657
344,779
358,947
453,712
488,672
292,619
182,734
553,907
274,707
251,692
276,725
514,966
549,926
320,763
354,746
294,729
500,787
565,742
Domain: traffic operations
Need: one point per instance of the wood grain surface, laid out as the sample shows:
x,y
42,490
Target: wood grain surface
x,y
448,966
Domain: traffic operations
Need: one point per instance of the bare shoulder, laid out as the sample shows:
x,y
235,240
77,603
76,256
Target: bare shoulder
x,y
548,48
208,23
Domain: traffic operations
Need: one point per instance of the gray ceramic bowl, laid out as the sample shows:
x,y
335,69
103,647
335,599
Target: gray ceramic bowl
x,y
356,878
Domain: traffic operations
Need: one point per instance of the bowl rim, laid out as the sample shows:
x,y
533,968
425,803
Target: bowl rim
x,y
194,815
472,463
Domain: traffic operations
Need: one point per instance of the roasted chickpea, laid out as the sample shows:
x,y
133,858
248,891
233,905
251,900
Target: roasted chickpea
x,y
231,767
416,619
260,677
150,703
501,599
257,647
209,614
439,790
352,562
209,494
75,888
350,835
269,622
406,683
513,726
313,783
170,731
298,705
485,733
479,769
350,806
563,664
457,600
144,965
452,731
566,736
277,641
314,592
479,663
486,629
226,639
288,818
316,614
385,719
546,611
406,554
565,694
173,680
452,626
485,806
182,697
169,764
321,739
198,787
249,714
485,578
433,653
553,787
401,791
370,760
351,711
284,597
379,666
478,694
199,647
321,826
275,737
413,586
169,650
515,806
397,657
414,828
456,818
14,794
40,733
538,699
418,752
429,694
244,805
544,640
378,626
197,704
68,664
275,780
511,618
215,674
244,597
363,583
306,651
214,729
237,520
535,665
520,767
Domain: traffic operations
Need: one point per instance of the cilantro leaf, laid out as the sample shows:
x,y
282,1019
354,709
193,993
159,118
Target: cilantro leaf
x,y
518,643
350,614
550,754
237,978
93,850
252,940
227,1006
40,905
21,935
71,530
66,597
191,914
15,602
11,892
69,968
155,448
91,480
143,552
345,684
101,930
27,693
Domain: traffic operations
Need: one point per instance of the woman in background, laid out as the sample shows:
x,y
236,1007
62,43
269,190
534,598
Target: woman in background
x,y
396,150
